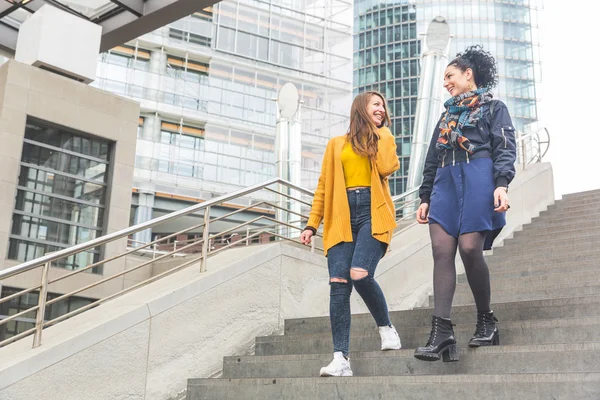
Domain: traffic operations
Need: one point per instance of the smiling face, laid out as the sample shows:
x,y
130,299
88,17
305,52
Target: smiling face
x,y
457,82
376,110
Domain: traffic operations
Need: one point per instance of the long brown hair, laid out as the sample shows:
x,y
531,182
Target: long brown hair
x,y
362,134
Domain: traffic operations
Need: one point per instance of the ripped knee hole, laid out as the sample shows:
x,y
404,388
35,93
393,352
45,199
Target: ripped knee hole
x,y
338,280
358,273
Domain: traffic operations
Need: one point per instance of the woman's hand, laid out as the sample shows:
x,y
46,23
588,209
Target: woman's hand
x,y
423,213
306,236
501,199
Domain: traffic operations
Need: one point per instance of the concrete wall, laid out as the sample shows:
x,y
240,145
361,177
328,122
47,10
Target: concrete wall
x,y
29,91
149,342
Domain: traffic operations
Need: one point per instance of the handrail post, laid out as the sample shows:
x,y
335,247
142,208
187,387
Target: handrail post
x,y
175,245
524,153
312,245
247,235
154,251
39,318
205,242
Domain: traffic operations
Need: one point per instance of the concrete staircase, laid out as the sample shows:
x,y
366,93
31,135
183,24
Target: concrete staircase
x,y
546,294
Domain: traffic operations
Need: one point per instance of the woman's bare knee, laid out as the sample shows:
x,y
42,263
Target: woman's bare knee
x,y
357,274
338,280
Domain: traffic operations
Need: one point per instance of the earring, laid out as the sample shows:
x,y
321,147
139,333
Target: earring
x,y
470,86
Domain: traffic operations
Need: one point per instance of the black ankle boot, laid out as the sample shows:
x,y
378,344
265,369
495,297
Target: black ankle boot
x,y
441,342
486,332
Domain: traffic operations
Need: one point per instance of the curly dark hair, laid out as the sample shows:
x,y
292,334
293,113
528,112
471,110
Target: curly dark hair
x,y
481,62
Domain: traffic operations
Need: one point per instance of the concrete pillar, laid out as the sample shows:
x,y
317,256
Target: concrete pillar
x,y
151,129
429,99
143,213
157,69
158,61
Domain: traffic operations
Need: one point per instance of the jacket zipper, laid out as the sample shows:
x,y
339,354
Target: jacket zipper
x,y
504,136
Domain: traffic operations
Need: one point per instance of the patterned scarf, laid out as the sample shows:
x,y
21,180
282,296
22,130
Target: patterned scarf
x,y
461,111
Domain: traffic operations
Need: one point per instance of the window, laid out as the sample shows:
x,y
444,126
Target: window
x,y
190,37
28,300
128,56
184,136
188,70
61,194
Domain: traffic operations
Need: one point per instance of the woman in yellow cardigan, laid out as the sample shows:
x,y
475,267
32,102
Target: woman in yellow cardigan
x,y
353,201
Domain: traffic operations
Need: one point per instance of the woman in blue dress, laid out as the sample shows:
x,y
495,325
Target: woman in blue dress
x,y
469,165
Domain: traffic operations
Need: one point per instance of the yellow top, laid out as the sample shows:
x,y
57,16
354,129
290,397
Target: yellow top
x,y
330,204
357,169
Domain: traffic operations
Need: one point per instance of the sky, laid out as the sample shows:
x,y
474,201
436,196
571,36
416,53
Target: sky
x,y
570,89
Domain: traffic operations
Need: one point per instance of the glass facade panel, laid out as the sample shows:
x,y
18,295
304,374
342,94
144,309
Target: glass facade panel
x,y
25,302
256,47
509,30
389,68
61,194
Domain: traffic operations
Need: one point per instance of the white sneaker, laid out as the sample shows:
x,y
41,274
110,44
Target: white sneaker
x,y
340,366
390,340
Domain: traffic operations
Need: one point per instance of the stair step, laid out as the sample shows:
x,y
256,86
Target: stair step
x,y
498,264
581,357
572,216
511,333
558,209
520,271
575,203
500,261
565,226
464,296
549,248
577,307
583,278
562,386
595,193
552,239
527,234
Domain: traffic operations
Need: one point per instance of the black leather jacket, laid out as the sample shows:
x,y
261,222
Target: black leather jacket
x,y
495,137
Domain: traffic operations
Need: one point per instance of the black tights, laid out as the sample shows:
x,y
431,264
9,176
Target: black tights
x,y
470,247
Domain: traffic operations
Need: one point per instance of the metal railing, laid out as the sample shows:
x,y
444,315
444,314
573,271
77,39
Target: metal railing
x,y
256,228
532,147
261,229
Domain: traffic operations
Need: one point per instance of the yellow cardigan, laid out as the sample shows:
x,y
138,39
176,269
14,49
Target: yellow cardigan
x,y
330,203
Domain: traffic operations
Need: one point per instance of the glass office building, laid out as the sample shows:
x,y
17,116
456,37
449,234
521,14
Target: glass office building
x,y
207,85
387,50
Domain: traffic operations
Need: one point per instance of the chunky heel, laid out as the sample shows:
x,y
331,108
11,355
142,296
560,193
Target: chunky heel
x,y
496,341
450,353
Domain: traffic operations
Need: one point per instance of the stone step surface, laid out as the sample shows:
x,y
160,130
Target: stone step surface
x,y
580,357
582,195
549,331
545,292
582,278
550,239
538,270
511,260
568,308
464,296
555,386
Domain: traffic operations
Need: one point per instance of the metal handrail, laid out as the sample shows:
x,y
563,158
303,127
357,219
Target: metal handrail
x,y
38,262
